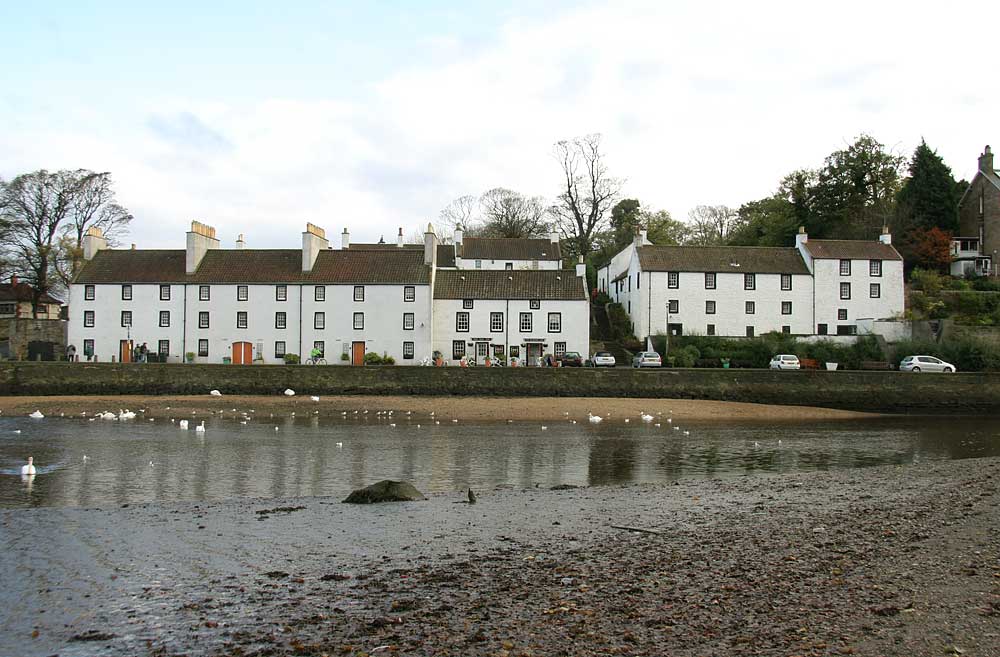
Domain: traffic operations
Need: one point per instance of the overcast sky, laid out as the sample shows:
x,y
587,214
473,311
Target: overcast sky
x,y
258,117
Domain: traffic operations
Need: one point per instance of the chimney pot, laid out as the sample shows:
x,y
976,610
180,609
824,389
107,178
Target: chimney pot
x,y
986,160
345,239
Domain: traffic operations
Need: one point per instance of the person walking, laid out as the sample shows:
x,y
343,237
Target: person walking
x,y
143,352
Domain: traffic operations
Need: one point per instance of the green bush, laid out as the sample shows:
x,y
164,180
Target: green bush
x,y
926,280
984,284
291,359
372,358
620,323
966,355
602,298
388,360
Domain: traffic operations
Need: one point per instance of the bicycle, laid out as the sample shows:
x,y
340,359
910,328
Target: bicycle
x,y
315,361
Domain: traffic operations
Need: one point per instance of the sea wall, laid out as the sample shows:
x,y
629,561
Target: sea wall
x,y
894,392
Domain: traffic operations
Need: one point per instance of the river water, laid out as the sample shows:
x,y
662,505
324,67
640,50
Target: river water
x,y
141,461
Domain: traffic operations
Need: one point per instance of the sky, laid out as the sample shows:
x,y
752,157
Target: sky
x,y
258,117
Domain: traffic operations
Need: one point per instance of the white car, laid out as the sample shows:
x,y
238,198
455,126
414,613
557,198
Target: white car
x,y
785,362
925,364
604,359
647,359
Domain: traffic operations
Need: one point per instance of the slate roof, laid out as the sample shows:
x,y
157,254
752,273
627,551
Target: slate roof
x,y
504,248
722,259
851,250
261,266
23,292
553,285
446,255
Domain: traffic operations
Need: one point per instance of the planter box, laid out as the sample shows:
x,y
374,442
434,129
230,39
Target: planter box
x,y
831,366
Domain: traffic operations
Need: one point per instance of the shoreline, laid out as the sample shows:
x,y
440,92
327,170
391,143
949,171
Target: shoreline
x,y
884,560
472,409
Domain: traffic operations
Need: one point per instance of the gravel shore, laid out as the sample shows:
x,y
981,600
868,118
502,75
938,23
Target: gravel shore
x,y
475,409
877,561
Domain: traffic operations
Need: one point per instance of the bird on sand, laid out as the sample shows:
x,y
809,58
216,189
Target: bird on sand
x,y
472,497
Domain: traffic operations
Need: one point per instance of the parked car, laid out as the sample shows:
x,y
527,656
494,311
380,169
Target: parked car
x,y
925,364
604,359
785,362
571,359
647,359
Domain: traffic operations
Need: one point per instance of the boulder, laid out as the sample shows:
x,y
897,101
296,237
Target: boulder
x,y
385,491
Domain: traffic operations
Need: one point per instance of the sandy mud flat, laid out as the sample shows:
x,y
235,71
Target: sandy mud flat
x,y
875,561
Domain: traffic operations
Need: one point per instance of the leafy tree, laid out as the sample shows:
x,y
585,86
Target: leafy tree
x,y
928,199
587,195
507,213
929,248
627,217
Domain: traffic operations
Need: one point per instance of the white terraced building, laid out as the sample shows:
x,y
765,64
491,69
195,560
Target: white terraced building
x,y
406,301
817,287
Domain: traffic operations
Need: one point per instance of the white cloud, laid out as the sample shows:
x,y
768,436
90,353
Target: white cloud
x,y
698,103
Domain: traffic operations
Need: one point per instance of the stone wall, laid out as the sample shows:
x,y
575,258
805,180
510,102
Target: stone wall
x,y
896,392
15,334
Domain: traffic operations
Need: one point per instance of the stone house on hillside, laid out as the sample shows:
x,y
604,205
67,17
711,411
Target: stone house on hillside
x,y
16,299
974,250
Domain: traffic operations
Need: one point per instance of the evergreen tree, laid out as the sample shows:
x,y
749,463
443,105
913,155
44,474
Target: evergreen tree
x,y
929,197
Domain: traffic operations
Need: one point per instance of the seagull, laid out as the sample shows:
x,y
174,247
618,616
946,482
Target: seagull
x,y
276,428
340,444
687,433
657,425
19,431
646,417
393,424
626,420
29,468
677,428
37,415
756,444
314,398
150,464
215,393
544,428
289,392
670,420
455,421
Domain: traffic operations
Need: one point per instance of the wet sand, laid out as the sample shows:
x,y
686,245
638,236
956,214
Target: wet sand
x,y
877,561
475,409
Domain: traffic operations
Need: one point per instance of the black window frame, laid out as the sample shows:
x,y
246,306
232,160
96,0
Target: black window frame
x,y
359,293
845,266
409,293
88,347
875,290
459,316
164,314
164,297
751,332
202,342
407,350
784,305
281,293
203,315
673,306
710,309
319,293
204,293
558,318
163,347
788,287
88,315
559,348
786,330
126,292
319,320
89,292
875,268
673,280
496,322
456,347
711,280
534,304
749,307
468,304
710,329
521,323
841,314
242,292
749,281
848,288
126,314
280,320
822,329
284,348
413,321
242,315
356,323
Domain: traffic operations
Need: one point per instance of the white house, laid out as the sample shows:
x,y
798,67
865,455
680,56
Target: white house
x,y
506,253
747,291
256,305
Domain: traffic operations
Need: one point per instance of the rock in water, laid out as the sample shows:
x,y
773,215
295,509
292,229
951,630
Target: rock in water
x,y
472,497
385,491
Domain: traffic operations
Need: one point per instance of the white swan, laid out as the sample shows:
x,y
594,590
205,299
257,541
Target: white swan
x,y
126,415
215,393
107,415
594,419
289,392
37,415
646,417
29,468
183,424
201,427
314,398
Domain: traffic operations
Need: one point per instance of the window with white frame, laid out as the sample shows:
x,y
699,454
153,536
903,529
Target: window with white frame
x,y
842,314
163,347
786,282
673,306
203,319
409,293
845,267
845,290
874,267
126,292
203,348
88,347
242,293
467,304
279,349
281,293
204,293
126,318
525,323
319,321
457,349
408,321
319,293
555,322
710,280
786,307
164,318
535,304
749,281
709,307
750,307
559,349
164,293
359,292
241,319
496,322
280,320
875,290
88,318
359,321
407,351
673,280
88,292
462,322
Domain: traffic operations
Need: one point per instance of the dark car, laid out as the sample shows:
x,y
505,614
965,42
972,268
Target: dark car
x,y
571,359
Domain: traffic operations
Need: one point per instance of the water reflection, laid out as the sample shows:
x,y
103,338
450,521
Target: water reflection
x,y
232,460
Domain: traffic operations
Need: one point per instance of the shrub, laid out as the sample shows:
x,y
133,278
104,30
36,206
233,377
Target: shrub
x,y
344,357
388,360
372,358
601,297
620,323
965,354
926,280
291,359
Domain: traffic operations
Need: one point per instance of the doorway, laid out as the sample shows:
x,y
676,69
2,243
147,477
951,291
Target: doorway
x,y
482,351
242,353
124,351
675,330
357,353
533,354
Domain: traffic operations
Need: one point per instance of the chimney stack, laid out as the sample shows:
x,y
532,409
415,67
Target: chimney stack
x,y
581,267
399,238
886,236
801,237
200,239
459,233
554,237
430,246
240,243
986,161
13,280
313,241
93,241
345,240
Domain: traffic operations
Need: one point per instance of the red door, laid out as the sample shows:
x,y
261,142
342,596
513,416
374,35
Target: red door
x,y
242,353
125,351
357,353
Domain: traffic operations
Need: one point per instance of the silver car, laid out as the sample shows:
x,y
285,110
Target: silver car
x,y
647,359
925,364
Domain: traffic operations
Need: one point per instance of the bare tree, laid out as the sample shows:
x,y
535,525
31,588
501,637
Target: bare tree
x,y
711,224
93,205
507,213
588,192
463,211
